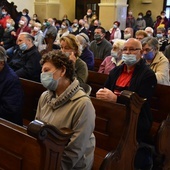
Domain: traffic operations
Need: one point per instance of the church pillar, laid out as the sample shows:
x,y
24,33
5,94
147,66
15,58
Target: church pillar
x,y
47,9
113,10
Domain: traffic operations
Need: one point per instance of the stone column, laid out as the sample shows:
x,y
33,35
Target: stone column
x,y
112,10
47,8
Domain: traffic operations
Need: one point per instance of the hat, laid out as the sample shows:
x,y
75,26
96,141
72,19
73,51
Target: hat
x,y
117,22
3,56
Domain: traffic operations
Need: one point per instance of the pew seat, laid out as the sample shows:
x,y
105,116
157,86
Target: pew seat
x,y
38,147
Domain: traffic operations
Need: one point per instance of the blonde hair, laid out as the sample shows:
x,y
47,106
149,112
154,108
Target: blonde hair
x,y
119,43
141,32
72,43
12,22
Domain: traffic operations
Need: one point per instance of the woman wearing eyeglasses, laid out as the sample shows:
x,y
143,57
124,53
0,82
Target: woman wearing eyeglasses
x,y
156,60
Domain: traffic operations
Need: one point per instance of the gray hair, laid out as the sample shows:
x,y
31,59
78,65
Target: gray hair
x,y
3,56
151,42
28,36
83,39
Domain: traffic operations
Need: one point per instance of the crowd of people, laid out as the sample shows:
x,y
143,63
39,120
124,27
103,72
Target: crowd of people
x,y
59,53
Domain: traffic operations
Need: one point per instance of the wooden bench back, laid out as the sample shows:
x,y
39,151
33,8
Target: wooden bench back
x,y
32,91
19,150
97,63
96,81
115,132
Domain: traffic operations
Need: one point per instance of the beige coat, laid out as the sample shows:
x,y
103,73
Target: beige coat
x,y
160,65
72,109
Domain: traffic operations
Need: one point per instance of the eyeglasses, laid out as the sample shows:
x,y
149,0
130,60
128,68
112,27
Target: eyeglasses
x,y
147,50
131,50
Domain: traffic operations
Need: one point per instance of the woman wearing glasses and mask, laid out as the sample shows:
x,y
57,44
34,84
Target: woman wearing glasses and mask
x,y
65,104
156,60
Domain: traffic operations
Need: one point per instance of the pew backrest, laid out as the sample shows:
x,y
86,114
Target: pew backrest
x,y
96,81
42,151
32,91
115,131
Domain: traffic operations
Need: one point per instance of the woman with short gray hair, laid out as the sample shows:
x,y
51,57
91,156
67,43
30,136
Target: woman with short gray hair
x,y
156,60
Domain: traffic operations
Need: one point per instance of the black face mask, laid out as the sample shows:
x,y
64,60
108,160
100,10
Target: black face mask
x,y
80,25
148,14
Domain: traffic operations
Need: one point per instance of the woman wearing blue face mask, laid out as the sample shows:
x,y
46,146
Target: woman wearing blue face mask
x,y
115,32
114,60
7,40
156,60
65,104
161,37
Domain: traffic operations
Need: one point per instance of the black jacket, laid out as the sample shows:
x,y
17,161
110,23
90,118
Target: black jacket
x,y
143,82
26,64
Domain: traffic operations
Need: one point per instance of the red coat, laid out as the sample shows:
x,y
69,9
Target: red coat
x,y
3,21
24,29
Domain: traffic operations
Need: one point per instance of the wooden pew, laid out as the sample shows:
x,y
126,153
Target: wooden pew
x,y
39,147
32,91
115,132
97,63
160,109
96,81
160,131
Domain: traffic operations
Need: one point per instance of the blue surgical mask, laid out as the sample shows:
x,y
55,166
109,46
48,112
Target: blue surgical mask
x,y
159,35
23,46
114,26
129,59
114,54
48,81
149,55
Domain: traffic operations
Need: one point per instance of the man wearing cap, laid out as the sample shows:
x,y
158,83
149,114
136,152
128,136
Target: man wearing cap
x,y
11,95
25,61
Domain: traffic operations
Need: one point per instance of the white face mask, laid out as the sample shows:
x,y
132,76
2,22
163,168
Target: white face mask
x,y
140,16
63,26
36,29
88,13
8,25
29,25
21,22
130,13
126,36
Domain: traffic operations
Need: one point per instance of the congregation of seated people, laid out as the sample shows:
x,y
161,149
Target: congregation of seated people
x,y
136,58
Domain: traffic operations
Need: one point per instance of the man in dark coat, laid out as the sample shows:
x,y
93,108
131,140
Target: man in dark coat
x,y
25,61
134,75
11,94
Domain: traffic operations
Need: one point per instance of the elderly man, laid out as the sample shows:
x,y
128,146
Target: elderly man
x,y
100,47
50,29
128,33
25,61
11,95
136,76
